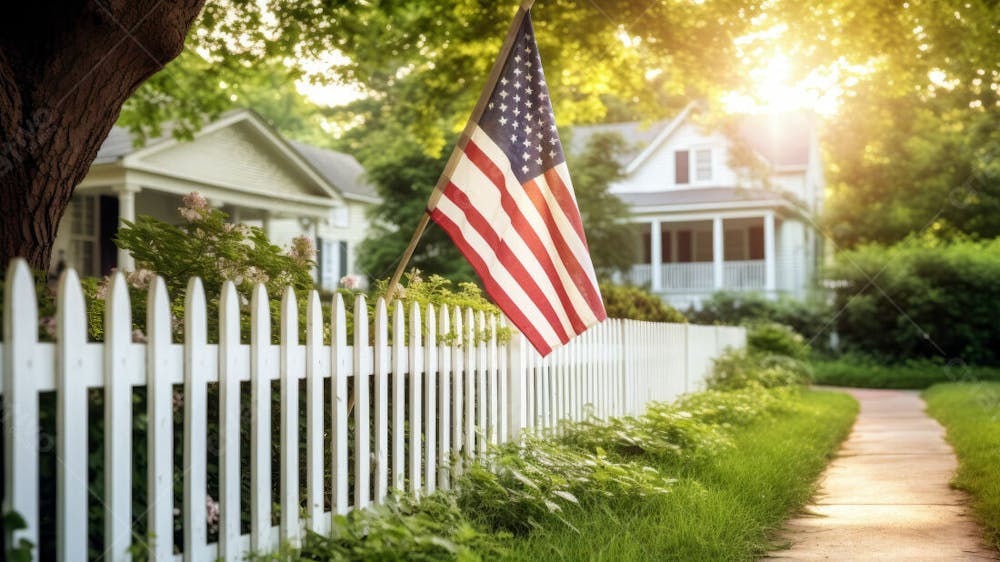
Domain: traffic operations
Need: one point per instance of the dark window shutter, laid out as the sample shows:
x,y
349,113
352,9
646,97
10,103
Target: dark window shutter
x,y
681,163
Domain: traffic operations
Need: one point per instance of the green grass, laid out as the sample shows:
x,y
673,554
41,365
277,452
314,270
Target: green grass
x,y
856,371
724,506
971,414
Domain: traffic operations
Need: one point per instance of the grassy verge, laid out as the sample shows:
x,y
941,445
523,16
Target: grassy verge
x,y
971,414
867,373
722,507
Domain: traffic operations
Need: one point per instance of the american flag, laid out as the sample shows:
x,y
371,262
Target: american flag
x,y
509,207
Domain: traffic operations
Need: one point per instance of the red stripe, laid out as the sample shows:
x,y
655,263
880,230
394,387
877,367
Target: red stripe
x,y
492,287
525,230
566,201
507,257
573,265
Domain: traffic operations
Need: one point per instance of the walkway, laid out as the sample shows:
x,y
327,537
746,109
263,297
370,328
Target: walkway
x,y
886,496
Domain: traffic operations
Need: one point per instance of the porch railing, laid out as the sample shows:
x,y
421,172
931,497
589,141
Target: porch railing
x,y
740,275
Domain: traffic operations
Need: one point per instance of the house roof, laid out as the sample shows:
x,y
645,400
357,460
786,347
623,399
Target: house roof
x,y
782,138
698,196
339,169
343,170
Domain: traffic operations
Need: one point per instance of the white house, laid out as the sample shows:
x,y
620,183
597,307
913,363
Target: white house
x,y
241,165
710,225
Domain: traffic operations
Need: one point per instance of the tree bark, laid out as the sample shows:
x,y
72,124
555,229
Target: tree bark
x,y
65,72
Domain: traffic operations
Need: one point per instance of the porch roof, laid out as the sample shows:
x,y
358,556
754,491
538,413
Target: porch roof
x,y
701,196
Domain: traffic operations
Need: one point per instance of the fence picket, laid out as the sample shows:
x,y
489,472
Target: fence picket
x,y
159,420
381,401
457,364
362,434
71,426
316,368
289,420
230,482
117,421
398,397
430,404
444,401
482,395
260,420
195,419
338,394
503,386
416,375
471,392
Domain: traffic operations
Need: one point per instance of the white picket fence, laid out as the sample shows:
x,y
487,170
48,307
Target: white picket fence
x,y
428,408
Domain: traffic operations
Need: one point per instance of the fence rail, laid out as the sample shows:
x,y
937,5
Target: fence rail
x,y
428,405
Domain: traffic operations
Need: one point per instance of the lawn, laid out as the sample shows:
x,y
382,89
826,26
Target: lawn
x,y
971,414
723,507
864,372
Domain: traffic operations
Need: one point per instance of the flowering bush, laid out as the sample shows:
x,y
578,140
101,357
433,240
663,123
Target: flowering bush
x,y
206,245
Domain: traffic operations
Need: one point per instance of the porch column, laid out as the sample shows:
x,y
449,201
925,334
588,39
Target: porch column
x,y
126,212
265,224
656,255
770,275
718,252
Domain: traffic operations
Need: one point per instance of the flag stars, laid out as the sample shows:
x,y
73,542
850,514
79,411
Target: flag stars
x,y
503,107
503,121
504,94
516,113
504,81
525,169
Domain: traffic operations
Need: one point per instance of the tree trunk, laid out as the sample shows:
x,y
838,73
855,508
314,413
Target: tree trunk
x,y
65,72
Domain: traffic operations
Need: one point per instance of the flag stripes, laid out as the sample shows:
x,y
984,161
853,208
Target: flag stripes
x,y
506,247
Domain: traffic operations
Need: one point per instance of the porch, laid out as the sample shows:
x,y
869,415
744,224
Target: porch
x,y
703,255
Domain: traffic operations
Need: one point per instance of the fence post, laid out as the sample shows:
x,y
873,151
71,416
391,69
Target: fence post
x,y
260,420
230,483
195,419
289,420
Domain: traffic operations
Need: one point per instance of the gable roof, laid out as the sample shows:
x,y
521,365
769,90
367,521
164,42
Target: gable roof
x,y
783,139
339,170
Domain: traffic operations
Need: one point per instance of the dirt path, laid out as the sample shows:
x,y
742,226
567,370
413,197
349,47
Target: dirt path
x,y
886,496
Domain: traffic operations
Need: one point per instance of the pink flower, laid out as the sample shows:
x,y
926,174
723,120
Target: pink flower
x,y
48,325
302,249
140,279
212,513
138,336
350,282
195,200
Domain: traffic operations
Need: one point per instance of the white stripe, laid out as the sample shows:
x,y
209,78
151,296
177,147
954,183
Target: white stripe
x,y
500,275
469,179
527,208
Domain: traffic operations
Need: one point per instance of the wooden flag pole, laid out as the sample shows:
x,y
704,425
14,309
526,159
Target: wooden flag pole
x,y
456,154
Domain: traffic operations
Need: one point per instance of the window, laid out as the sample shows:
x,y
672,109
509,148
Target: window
x,y
681,166
342,254
84,235
325,262
703,164
703,245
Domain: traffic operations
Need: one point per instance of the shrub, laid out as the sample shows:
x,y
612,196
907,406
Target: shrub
x,y
401,528
743,369
810,319
521,486
868,372
778,339
920,299
636,304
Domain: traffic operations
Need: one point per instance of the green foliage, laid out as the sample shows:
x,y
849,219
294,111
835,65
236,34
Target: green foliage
x,y
21,552
207,246
745,369
613,241
920,299
778,339
634,303
402,528
864,371
811,318
523,487
969,412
